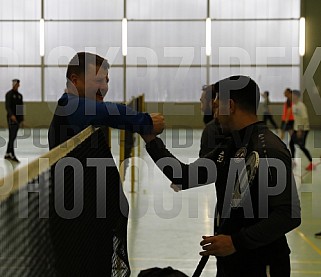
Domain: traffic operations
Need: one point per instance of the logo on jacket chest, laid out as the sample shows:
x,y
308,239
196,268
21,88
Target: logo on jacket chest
x,y
220,157
240,154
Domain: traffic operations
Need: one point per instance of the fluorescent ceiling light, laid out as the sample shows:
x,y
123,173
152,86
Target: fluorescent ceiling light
x,y
124,36
208,39
302,37
42,37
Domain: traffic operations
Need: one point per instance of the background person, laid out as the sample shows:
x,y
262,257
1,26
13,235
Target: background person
x,y
206,105
212,134
267,116
14,107
301,128
287,115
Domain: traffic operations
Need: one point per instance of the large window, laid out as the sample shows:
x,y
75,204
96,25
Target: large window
x,y
166,57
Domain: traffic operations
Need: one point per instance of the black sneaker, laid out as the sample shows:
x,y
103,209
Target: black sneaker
x,y
317,235
14,159
11,157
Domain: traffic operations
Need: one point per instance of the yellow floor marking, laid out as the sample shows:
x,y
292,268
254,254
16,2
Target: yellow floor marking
x,y
308,241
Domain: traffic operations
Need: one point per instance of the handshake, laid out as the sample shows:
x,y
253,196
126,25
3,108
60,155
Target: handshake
x,y
158,127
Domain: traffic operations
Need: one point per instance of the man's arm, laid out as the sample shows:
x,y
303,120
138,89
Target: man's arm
x,y
123,117
200,172
83,112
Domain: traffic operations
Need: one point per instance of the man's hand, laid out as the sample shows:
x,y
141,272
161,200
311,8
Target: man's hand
x,y
176,188
158,127
13,118
158,123
220,245
149,137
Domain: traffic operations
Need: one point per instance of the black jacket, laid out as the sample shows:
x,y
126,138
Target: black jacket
x,y
258,237
14,105
212,136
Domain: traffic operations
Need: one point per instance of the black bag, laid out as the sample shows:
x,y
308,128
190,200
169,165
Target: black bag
x,y
161,272
170,272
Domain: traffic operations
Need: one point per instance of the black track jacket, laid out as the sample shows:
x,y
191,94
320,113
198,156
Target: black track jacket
x,y
270,206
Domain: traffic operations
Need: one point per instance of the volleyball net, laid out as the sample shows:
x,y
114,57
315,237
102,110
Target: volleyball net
x,y
65,213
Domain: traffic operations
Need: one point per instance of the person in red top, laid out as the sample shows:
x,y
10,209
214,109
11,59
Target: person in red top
x,y
287,115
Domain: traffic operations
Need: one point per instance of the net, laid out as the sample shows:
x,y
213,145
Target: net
x,y
65,214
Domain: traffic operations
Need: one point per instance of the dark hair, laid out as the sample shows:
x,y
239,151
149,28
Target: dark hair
x,y
241,89
16,81
296,92
79,63
209,92
266,93
289,90
209,95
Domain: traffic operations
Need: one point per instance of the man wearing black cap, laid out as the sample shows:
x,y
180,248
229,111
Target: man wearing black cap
x,y
14,107
253,213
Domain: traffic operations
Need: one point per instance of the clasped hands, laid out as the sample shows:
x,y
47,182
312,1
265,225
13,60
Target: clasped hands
x,y
158,127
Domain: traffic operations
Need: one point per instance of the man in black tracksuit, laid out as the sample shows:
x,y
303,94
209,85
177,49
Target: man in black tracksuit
x,y
252,219
14,107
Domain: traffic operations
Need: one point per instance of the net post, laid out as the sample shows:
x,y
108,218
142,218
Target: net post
x,y
122,155
132,190
141,105
109,137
